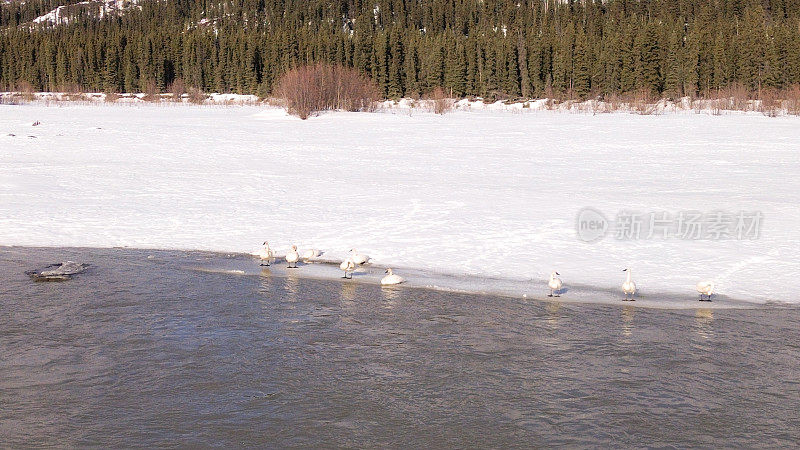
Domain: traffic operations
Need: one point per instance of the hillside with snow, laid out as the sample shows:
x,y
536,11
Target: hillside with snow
x,y
475,192
62,15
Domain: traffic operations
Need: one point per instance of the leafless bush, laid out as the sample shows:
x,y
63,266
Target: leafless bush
x,y
177,88
734,97
26,91
151,91
792,95
587,106
9,99
71,91
196,96
643,102
112,97
70,88
612,103
441,103
321,87
770,103
717,106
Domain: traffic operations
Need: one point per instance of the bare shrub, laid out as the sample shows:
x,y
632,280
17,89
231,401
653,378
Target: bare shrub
x,y
196,96
70,88
322,87
9,99
71,91
643,102
718,105
177,88
441,103
734,97
611,103
112,97
770,103
151,91
792,95
26,91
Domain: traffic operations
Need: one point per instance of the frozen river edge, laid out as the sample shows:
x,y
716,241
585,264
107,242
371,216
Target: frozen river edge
x,y
243,264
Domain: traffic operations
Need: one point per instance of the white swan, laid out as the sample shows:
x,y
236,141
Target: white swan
x,y
628,287
554,284
310,254
391,278
706,289
265,253
348,266
358,258
292,257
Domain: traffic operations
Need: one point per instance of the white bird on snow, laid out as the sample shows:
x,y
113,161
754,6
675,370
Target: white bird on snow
x,y
628,287
292,257
391,278
265,253
348,266
310,254
706,289
554,284
358,258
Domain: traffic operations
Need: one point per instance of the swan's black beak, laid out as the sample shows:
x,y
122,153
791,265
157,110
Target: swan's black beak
x,y
386,271
624,270
558,274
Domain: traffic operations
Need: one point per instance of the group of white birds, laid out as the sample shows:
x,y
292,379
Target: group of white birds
x,y
705,288
348,266
356,260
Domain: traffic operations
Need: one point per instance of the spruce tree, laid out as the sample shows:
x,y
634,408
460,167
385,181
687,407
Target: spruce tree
x,y
648,68
673,73
581,75
455,69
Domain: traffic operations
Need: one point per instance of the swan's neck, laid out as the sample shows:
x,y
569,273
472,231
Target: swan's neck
x,y
628,278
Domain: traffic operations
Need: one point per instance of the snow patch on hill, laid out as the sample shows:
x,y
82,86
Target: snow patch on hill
x,y
63,14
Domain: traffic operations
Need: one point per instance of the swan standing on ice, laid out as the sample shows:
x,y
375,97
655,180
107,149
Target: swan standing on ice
x,y
265,253
628,287
292,257
310,254
348,266
554,284
391,278
358,258
706,289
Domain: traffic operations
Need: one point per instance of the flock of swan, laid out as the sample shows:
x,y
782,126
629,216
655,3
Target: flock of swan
x,y
348,266
705,288
356,260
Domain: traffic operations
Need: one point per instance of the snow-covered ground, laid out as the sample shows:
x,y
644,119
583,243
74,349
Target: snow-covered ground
x,y
481,192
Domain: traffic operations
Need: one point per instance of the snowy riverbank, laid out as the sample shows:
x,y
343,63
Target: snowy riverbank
x,y
489,193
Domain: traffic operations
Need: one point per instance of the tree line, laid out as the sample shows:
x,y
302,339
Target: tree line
x,y
488,48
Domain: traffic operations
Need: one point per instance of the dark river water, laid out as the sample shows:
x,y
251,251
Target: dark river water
x,y
139,352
